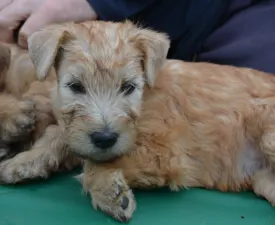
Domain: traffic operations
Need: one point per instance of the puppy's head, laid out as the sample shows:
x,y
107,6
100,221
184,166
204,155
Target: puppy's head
x,y
102,68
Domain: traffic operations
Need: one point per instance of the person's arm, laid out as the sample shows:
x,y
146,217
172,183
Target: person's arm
x,y
36,14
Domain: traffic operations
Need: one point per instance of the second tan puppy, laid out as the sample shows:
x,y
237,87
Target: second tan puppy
x,y
143,122
25,105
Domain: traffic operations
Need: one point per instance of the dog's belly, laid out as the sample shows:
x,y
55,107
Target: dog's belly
x,y
250,160
238,175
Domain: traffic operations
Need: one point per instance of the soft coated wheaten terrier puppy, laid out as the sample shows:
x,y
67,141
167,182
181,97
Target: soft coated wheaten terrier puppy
x,y
141,121
25,105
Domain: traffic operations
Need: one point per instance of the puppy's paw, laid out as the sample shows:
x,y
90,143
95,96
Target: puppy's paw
x,y
17,120
114,198
22,167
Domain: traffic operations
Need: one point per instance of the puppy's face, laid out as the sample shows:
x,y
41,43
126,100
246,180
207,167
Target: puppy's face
x,y
102,69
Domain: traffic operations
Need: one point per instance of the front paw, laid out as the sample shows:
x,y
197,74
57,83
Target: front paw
x,y
17,120
114,197
25,166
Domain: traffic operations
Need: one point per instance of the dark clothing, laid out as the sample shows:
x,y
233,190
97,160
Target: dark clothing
x,y
234,32
187,22
247,38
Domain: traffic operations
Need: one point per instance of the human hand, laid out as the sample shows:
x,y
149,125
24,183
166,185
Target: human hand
x,y
37,14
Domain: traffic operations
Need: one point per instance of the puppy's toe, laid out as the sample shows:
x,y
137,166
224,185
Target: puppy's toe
x,y
10,171
19,123
27,105
25,122
124,202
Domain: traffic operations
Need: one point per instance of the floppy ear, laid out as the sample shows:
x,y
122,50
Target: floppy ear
x,y
154,47
44,46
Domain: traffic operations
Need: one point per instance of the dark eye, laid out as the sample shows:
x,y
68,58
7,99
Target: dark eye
x,y
127,88
77,88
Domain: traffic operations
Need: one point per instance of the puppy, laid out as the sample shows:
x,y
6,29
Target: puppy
x,y
141,121
25,106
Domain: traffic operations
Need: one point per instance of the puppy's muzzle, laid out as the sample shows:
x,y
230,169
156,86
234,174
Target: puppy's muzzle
x,y
104,139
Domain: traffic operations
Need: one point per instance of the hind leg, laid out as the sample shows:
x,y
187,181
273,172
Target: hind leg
x,y
267,144
264,180
46,156
265,129
264,184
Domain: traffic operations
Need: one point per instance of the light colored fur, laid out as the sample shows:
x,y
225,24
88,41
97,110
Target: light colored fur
x,y
25,105
185,124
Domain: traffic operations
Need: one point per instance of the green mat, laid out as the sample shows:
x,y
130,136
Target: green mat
x,y
60,201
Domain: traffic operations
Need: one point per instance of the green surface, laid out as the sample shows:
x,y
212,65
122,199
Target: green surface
x,y
60,201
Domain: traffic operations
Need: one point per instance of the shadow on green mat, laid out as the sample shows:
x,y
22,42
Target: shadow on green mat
x,y
60,201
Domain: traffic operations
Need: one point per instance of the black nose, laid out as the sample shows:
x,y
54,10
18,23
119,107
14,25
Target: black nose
x,y
105,139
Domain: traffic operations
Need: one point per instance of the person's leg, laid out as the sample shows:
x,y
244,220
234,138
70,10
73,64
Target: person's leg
x,y
246,39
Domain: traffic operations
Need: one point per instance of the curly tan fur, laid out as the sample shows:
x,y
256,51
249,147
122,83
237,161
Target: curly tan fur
x,y
184,124
25,103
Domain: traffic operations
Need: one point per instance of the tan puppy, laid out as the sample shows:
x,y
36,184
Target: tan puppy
x,y
25,106
144,122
